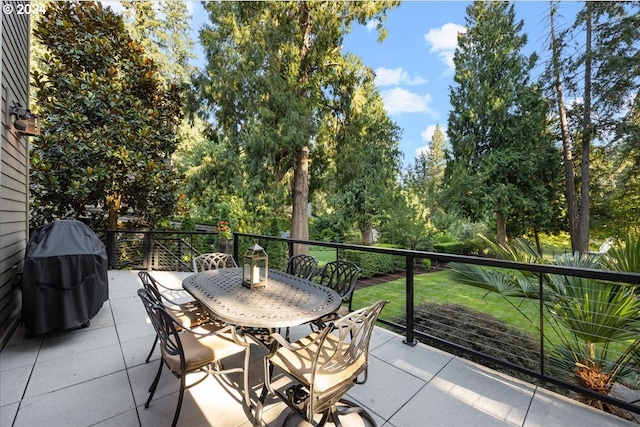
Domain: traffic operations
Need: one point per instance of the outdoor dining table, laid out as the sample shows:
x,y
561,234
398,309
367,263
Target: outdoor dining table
x,y
285,301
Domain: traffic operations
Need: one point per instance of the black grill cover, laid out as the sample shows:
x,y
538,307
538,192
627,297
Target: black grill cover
x,y
64,280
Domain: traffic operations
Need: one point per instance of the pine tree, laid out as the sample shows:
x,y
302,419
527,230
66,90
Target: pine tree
x,y
497,127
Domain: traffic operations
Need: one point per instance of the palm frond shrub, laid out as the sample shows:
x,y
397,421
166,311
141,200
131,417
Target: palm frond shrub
x,y
598,322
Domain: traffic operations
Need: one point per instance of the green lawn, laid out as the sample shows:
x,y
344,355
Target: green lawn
x,y
436,287
323,255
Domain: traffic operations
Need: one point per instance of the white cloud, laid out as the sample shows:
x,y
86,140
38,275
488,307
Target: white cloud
x,y
427,135
444,40
396,76
399,100
371,25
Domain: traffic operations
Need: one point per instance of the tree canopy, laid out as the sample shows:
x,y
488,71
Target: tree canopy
x,y
367,161
273,72
108,124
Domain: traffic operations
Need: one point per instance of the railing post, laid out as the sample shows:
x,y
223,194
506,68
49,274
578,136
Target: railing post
x,y
409,340
290,249
541,315
110,248
235,248
146,248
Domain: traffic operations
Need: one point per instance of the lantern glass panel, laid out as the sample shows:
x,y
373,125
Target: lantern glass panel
x,y
255,267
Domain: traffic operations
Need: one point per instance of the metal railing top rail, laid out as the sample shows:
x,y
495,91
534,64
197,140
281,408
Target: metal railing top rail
x,y
132,231
587,273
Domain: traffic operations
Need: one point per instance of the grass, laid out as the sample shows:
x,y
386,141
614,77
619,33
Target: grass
x,y
437,288
323,255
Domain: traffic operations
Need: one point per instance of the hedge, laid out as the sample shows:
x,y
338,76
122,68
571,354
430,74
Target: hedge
x,y
374,264
468,247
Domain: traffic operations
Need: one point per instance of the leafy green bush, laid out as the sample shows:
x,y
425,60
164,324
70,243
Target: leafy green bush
x,y
455,248
326,228
374,264
467,247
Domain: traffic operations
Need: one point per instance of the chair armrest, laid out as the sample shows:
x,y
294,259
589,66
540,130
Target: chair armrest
x,y
282,341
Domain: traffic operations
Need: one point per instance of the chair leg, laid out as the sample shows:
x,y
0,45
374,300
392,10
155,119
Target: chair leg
x,y
153,347
152,389
180,397
245,377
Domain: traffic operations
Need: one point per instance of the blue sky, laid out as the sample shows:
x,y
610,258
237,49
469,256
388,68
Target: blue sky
x,y
414,65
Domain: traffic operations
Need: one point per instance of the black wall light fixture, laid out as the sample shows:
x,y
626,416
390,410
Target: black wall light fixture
x,y
25,122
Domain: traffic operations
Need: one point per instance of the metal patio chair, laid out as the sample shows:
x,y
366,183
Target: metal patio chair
x,y
185,351
188,314
321,367
341,276
303,266
213,261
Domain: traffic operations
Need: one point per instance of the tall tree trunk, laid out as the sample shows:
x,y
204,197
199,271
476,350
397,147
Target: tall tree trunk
x,y
501,229
367,234
569,174
113,208
300,216
300,194
586,137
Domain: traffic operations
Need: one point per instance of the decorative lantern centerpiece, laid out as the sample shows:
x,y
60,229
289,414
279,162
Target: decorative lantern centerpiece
x,y
255,267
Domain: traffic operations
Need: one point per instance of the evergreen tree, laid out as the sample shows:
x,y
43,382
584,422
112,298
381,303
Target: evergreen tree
x,y
601,71
144,26
176,42
272,69
367,161
497,127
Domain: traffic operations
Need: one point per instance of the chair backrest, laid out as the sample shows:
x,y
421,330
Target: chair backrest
x,y
303,266
345,343
166,328
151,285
341,276
213,261
148,280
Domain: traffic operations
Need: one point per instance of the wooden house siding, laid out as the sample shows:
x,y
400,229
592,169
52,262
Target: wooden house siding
x,y
14,166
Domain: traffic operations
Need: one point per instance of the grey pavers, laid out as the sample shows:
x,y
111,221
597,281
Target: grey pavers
x,y
550,410
83,404
464,393
13,383
388,388
423,362
77,368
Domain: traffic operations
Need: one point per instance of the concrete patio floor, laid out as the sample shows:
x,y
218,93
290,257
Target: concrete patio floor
x,y
97,376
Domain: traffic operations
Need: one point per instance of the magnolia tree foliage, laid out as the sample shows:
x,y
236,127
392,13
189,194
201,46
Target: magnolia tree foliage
x,y
273,69
108,125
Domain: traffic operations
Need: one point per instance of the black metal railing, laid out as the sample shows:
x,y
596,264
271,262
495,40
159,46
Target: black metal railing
x,y
157,249
396,274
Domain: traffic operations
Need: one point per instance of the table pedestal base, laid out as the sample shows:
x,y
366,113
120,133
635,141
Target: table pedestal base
x,y
345,411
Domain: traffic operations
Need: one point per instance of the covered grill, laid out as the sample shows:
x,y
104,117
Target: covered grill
x,y
64,280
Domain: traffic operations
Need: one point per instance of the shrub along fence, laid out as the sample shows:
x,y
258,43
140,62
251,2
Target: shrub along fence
x,y
549,315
